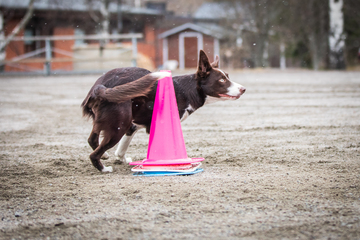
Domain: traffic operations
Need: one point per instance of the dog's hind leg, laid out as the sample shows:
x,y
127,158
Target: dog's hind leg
x,y
93,141
113,125
110,140
125,142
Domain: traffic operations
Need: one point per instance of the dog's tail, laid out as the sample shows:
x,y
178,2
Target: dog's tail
x,y
122,93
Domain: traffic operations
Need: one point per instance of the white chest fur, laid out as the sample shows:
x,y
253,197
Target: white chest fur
x,y
187,112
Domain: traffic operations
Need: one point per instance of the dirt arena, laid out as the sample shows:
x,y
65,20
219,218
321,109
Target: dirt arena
x,y
283,162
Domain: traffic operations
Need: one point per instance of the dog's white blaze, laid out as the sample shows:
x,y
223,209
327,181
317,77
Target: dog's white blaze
x,y
234,89
160,75
221,71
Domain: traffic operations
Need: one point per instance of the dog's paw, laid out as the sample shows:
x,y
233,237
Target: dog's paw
x,y
128,160
105,156
107,169
124,159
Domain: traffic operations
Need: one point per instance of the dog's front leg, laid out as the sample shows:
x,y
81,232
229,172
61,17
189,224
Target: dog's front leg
x,y
124,144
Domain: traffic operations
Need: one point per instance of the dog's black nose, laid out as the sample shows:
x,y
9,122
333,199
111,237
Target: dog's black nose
x,y
242,90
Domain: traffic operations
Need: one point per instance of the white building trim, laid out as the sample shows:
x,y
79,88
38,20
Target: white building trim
x,y
216,48
191,26
165,50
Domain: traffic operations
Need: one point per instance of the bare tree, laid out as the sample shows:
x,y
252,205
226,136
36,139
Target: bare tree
x,y
16,30
264,13
336,36
257,17
102,7
352,31
102,16
308,22
315,19
289,22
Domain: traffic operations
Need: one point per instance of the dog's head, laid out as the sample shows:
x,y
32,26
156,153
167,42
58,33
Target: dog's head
x,y
216,83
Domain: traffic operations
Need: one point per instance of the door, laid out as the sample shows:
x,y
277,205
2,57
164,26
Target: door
x,y
191,52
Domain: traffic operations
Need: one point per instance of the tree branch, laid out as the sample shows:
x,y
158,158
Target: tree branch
x,y
92,14
20,26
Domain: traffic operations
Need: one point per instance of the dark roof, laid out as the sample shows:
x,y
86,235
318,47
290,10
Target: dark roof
x,y
71,5
217,10
183,8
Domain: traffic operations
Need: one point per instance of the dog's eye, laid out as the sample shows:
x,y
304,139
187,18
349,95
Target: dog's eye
x,y
222,80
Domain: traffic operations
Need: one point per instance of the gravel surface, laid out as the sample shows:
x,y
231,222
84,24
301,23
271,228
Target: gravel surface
x,y
283,162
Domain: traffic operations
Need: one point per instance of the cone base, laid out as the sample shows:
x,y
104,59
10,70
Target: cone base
x,y
167,168
153,174
151,162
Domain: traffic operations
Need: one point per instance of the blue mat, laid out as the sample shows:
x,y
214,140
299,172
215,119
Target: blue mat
x,y
152,174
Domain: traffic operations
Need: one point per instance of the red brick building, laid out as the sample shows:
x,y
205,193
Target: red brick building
x,y
165,36
50,19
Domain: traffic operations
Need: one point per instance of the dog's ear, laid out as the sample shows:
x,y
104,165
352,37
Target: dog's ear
x,y
215,64
204,65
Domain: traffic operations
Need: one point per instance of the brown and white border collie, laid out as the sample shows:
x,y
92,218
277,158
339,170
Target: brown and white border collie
x,y
121,102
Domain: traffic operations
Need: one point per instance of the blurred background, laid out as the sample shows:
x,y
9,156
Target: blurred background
x,y
68,36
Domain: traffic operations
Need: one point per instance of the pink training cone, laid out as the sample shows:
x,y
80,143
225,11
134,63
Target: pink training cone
x,y
166,142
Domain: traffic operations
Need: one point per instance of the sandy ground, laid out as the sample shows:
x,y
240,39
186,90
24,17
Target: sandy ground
x,y
283,162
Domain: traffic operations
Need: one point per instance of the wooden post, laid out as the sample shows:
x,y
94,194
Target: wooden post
x,y
134,51
48,57
282,56
2,39
165,51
